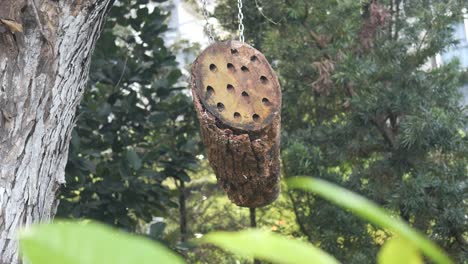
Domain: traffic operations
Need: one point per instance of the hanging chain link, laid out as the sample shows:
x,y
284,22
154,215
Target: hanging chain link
x,y
240,16
208,26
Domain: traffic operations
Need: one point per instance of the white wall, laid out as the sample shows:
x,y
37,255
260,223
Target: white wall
x,y
459,51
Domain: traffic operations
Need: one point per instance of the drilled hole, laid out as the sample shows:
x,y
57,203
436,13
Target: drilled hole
x,y
253,58
230,88
245,94
244,69
220,107
256,117
237,115
230,67
234,51
213,67
264,80
265,101
209,91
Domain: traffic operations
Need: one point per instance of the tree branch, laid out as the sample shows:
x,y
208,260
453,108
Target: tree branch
x,y
387,132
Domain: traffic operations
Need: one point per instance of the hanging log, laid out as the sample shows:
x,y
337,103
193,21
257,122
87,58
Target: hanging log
x,y
238,101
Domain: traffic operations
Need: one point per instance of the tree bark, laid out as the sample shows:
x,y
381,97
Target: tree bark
x,y
43,73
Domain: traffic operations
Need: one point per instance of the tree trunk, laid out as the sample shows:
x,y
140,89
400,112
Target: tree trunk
x,y
43,73
183,211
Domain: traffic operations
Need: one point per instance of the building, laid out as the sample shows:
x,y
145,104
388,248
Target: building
x,y
459,51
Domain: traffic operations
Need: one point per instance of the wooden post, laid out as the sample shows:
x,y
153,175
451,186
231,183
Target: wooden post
x,y
238,100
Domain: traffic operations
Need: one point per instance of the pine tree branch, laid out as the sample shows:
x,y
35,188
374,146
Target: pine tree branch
x,y
321,41
386,131
390,25
397,18
298,219
460,239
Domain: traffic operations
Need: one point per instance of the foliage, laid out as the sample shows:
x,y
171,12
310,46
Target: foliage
x,y
90,243
136,127
399,250
268,246
366,209
364,107
208,209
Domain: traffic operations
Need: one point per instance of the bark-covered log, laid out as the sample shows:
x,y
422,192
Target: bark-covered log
x,y
43,72
238,100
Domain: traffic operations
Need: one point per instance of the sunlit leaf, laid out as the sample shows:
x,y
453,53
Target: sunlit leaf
x,y
398,250
90,243
369,211
268,246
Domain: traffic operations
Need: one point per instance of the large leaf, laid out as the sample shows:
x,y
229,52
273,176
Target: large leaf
x,y
398,250
90,243
268,246
369,211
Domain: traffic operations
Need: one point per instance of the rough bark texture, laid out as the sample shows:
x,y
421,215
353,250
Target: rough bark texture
x,y
238,100
43,72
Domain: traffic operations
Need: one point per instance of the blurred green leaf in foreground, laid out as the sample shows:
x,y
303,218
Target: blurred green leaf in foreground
x,y
399,250
90,243
366,209
269,246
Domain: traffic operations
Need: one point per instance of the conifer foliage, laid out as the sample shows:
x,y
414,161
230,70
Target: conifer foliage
x,y
365,106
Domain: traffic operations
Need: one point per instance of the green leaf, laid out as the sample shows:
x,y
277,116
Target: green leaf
x,y
75,140
90,243
104,110
157,230
268,246
134,159
183,176
399,250
366,209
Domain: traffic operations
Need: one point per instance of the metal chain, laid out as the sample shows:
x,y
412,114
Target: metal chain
x,y
240,16
208,26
